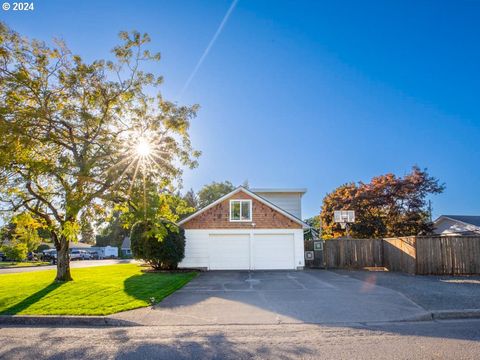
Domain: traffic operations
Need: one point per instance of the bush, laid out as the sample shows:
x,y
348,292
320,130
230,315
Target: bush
x,y
15,252
161,245
41,248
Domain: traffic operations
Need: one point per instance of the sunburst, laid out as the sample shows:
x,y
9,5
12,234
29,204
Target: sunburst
x,y
141,153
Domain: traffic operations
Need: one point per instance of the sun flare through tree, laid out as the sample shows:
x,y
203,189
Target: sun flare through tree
x,y
78,137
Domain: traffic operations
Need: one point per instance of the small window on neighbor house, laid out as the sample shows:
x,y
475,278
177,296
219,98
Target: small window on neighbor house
x,y
240,210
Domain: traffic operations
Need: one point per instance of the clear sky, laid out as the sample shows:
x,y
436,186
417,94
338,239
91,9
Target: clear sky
x,y
306,93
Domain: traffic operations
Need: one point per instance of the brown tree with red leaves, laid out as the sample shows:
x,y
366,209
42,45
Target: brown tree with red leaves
x,y
387,206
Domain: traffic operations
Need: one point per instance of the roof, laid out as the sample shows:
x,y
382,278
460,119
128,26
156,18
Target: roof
x,y
80,245
253,195
467,219
284,190
126,242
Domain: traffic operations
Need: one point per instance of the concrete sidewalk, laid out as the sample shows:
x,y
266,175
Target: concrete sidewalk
x,y
277,297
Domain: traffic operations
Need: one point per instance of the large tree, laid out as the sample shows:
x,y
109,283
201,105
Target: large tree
x,y
76,135
213,191
387,206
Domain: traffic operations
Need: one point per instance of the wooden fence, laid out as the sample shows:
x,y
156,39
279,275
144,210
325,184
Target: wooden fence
x,y
438,255
456,255
399,254
353,253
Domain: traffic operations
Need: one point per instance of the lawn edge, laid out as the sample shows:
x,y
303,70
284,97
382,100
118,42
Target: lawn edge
x,y
96,318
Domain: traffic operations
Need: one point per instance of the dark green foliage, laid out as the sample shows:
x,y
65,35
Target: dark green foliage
x,y
211,192
41,248
316,228
161,245
113,234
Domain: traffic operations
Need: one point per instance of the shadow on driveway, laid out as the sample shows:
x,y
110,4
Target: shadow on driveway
x,y
276,297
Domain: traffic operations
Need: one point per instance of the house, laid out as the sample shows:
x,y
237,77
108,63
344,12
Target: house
x,y
247,230
125,249
457,225
80,246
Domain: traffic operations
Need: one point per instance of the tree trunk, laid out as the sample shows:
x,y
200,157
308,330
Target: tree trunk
x,y
63,261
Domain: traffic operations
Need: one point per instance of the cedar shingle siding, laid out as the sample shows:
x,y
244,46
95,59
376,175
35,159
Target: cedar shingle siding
x,y
218,217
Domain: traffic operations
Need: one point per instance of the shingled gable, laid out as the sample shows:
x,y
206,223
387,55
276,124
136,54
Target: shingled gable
x,y
265,214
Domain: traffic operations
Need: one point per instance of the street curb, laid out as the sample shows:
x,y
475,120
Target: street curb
x,y
93,321
456,314
47,320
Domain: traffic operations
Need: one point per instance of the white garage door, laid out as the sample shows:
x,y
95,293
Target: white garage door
x,y
229,252
273,251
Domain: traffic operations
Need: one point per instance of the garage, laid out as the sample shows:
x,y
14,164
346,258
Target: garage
x,y
273,251
244,231
229,251
251,251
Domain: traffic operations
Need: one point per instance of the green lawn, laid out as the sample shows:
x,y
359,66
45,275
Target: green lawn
x,y
98,290
10,264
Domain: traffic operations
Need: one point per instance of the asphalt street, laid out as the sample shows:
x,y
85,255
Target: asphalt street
x,y
406,340
73,265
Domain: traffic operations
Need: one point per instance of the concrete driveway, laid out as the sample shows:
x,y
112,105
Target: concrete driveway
x,y
275,297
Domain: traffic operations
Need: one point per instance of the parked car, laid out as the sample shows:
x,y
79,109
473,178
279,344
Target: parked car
x,y
50,255
80,255
94,255
31,256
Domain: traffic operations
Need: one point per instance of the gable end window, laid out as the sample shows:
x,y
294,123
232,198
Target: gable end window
x,y
240,210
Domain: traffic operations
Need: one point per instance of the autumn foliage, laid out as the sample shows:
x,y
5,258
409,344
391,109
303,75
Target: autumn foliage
x,y
387,206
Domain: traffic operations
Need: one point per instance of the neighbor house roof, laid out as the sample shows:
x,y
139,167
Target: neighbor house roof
x,y
467,219
274,190
253,195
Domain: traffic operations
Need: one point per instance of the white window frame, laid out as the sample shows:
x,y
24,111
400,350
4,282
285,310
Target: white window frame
x,y
240,220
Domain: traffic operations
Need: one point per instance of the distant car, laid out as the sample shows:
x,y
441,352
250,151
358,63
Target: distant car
x,y
49,255
80,255
94,255
31,256
86,255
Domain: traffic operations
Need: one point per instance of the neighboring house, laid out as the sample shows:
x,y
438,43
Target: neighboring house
x,y
126,250
457,225
247,230
80,246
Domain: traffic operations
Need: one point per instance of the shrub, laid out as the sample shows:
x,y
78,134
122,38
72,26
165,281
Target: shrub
x,y
15,252
42,248
161,245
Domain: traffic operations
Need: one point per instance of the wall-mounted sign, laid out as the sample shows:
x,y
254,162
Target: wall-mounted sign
x,y
309,255
318,245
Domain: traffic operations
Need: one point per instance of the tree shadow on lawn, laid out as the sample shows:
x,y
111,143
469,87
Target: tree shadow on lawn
x,y
32,299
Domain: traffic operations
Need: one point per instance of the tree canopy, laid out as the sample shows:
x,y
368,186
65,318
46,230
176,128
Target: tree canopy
x,y
386,206
213,191
75,133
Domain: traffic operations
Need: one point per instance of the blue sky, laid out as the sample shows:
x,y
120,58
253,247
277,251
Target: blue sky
x,y
303,93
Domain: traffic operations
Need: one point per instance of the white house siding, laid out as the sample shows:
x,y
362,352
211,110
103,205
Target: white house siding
x,y
290,202
199,247
448,226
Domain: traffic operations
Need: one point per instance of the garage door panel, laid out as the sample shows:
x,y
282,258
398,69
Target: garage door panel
x,y
273,251
229,252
